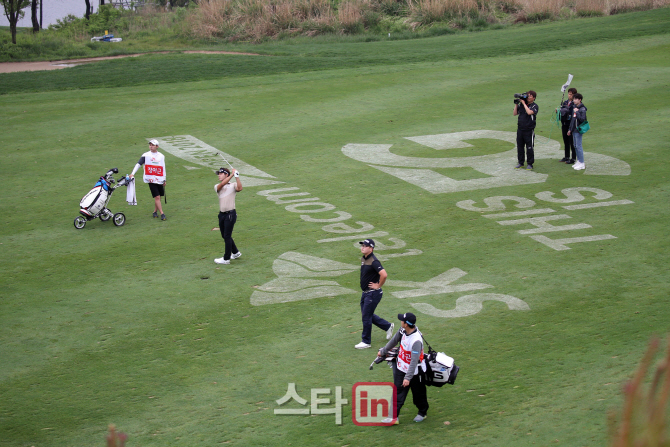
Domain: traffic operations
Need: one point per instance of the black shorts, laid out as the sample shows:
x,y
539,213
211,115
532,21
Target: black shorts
x,y
156,189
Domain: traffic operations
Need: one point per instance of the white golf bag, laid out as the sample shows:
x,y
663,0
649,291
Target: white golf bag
x,y
440,369
95,200
94,204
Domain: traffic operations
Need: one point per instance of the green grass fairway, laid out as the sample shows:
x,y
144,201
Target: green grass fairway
x,y
137,326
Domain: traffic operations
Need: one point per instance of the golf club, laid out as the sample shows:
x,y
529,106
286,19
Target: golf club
x,y
224,159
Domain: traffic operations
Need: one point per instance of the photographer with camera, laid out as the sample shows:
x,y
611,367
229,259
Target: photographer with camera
x,y
566,118
526,108
408,368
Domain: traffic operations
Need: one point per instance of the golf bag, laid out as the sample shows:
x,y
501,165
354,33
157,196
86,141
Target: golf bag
x,y
96,199
94,204
440,369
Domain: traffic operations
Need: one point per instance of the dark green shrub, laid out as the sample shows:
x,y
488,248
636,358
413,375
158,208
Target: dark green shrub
x,y
620,9
392,8
587,13
479,23
435,31
352,28
537,17
103,20
371,18
508,6
461,23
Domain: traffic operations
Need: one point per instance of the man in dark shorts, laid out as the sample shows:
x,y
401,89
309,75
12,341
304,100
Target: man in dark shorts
x,y
154,175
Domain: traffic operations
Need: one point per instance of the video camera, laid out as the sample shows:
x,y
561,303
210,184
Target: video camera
x,y
519,96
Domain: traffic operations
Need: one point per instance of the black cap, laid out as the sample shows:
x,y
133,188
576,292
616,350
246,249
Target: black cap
x,y
408,318
368,242
223,171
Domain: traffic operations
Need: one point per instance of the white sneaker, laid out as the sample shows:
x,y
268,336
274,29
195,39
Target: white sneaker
x,y
391,421
389,333
579,166
419,418
235,255
221,261
362,345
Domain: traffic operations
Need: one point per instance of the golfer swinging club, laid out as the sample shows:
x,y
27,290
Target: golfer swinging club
x,y
226,190
154,175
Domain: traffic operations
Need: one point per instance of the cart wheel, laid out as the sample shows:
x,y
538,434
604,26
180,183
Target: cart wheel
x,y
119,219
79,222
105,215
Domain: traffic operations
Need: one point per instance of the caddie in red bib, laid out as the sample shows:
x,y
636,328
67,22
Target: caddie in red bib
x,y
409,367
154,175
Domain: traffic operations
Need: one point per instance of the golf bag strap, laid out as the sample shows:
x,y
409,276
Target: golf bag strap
x,y
424,339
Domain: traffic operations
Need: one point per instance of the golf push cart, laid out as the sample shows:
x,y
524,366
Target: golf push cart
x,y
94,204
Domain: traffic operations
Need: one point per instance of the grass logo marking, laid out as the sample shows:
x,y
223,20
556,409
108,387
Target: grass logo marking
x,y
192,149
302,277
465,306
541,223
419,170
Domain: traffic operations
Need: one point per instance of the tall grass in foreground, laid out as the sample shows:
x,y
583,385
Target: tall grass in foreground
x,y
643,422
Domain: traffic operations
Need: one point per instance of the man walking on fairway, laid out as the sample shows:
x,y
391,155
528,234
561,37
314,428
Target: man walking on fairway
x,y
373,277
154,175
227,214
408,368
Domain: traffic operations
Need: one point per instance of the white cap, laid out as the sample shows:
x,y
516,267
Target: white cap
x,y
154,142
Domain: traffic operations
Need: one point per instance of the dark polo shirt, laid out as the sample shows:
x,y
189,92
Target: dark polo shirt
x,y
370,268
526,121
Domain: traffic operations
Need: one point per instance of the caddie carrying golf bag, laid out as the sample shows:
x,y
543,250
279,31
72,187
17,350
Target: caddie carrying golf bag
x,y
440,368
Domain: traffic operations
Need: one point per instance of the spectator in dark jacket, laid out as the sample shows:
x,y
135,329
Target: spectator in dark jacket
x,y
578,117
566,116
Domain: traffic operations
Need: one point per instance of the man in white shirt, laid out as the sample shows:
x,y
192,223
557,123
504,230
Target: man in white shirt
x,y
154,175
226,190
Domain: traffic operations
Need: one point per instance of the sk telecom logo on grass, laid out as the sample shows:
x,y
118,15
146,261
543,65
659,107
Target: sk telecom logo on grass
x,y
373,402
